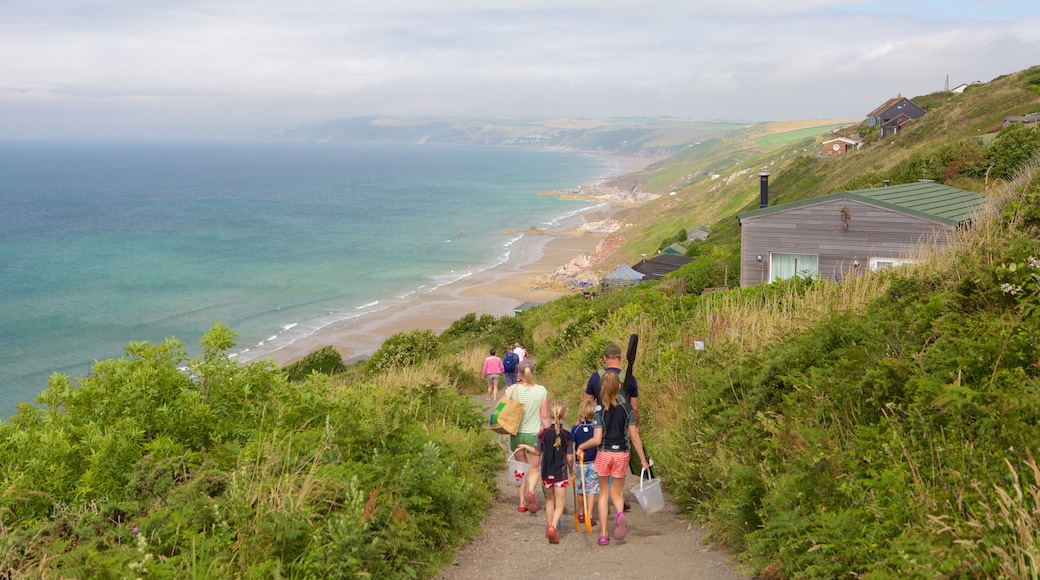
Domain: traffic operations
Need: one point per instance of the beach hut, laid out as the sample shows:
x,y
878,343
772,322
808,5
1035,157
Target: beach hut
x,y
623,276
660,265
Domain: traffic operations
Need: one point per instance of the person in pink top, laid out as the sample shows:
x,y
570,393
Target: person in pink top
x,y
493,370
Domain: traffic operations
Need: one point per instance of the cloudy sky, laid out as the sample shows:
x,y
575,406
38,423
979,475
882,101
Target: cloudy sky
x,y
210,68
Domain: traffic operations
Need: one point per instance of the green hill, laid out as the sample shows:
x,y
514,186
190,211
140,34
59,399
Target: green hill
x,y
882,427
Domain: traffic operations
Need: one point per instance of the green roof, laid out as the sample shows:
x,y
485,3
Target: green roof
x,y
925,199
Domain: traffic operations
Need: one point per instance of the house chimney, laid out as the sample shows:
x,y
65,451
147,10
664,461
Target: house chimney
x,y
887,183
763,188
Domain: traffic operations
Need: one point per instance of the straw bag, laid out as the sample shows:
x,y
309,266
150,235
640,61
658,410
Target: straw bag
x,y
506,417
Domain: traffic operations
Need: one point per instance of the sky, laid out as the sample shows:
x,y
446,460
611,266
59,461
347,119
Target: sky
x,y
226,68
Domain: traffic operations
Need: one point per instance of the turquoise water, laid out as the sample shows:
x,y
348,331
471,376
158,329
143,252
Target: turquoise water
x,y
102,244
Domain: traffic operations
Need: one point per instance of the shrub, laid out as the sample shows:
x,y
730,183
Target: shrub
x,y
326,361
404,349
1013,147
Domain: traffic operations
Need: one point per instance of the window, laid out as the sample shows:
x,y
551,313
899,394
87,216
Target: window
x,y
885,263
784,266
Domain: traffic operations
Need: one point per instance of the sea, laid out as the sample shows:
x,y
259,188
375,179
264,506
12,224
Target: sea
x,y
107,243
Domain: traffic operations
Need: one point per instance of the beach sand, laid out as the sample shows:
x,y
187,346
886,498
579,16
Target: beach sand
x,y
496,291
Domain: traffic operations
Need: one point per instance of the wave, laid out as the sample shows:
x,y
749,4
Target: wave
x,y
294,332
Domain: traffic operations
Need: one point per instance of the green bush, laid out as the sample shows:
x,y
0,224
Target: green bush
x,y
326,361
1014,146
227,471
404,349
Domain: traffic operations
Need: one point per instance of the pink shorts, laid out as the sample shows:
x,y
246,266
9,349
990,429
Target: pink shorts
x,y
550,483
612,463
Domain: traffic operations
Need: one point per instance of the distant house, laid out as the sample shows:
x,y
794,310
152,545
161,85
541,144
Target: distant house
x,y
1027,120
839,146
660,265
849,232
963,87
698,233
675,249
894,115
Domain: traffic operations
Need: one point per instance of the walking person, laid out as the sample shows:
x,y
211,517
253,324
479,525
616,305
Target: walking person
x,y
587,480
535,418
614,433
612,364
554,453
629,387
493,369
509,362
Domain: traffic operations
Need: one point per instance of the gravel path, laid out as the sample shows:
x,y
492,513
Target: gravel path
x,y
513,544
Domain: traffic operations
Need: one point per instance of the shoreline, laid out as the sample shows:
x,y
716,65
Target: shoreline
x,y
496,291
523,277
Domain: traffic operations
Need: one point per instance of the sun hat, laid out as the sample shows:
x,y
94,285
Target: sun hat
x,y
612,351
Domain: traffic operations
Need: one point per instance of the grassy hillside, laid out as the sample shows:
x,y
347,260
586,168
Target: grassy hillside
x,y
796,173
882,427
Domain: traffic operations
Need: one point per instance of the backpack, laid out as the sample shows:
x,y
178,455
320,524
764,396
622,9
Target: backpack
x,y
509,362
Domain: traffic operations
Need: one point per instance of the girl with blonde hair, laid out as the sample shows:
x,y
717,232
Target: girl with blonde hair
x,y
554,453
614,434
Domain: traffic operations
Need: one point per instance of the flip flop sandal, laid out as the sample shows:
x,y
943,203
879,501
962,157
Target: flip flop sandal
x,y
521,508
551,534
620,526
604,540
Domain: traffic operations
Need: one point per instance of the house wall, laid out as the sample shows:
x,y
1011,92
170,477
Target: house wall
x,y
829,150
817,229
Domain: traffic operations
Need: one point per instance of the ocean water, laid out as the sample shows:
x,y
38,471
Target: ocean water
x,y
102,244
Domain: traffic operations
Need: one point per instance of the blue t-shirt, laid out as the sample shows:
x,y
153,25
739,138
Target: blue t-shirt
x,y
592,387
581,433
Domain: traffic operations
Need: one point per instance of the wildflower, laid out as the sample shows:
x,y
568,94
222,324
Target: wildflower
x,y
1034,262
1011,289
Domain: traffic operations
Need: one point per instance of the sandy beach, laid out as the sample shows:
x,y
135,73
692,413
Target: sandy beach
x,y
496,291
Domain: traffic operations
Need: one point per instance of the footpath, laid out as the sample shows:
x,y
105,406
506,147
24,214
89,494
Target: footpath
x,y
513,544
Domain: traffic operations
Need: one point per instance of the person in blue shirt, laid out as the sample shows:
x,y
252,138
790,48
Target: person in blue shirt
x,y
612,364
615,433
587,480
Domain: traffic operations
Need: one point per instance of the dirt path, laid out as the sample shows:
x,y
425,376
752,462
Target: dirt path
x,y
513,545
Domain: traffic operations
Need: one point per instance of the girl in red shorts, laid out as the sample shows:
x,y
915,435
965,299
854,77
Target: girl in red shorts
x,y
615,432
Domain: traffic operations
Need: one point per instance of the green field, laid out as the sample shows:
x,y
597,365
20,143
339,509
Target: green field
x,y
793,136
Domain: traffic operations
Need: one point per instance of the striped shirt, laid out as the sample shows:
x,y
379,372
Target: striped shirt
x,y
532,397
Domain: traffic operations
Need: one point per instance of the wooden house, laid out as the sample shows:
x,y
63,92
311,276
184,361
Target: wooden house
x,y
894,115
839,146
850,232
698,233
660,265
1026,120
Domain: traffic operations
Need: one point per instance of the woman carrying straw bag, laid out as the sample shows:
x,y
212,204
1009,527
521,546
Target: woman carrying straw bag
x,y
536,417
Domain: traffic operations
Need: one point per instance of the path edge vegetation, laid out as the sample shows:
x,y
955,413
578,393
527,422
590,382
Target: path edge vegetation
x,y
885,426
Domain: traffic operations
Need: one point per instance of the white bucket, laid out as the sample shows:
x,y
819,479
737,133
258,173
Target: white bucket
x,y
649,495
517,469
